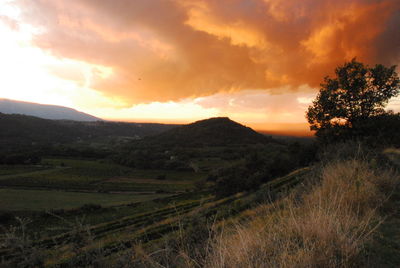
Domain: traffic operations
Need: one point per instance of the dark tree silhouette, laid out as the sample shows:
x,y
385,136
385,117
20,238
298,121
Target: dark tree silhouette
x,y
356,93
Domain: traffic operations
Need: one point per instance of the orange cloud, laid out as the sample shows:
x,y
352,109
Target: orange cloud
x,y
163,50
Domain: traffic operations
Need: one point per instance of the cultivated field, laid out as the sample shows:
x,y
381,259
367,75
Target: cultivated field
x,y
114,207
37,200
96,176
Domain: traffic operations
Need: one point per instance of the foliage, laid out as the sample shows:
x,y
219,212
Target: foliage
x,y
26,135
18,158
259,168
184,147
219,131
381,130
356,93
18,241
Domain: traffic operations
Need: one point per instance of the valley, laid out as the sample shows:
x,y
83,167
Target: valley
x,y
199,134
140,192
173,190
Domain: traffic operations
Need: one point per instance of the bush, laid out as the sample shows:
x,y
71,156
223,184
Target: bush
x,y
18,242
6,217
161,177
90,207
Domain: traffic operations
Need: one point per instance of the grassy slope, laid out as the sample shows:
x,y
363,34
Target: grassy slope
x,y
289,234
149,223
386,245
129,232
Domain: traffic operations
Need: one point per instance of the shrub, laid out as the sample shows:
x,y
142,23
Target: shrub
x,y
18,242
90,207
161,177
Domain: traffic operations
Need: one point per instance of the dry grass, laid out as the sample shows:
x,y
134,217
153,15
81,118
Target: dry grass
x,y
328,226
393,154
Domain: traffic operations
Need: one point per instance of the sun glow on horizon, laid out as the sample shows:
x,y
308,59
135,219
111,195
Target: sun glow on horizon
x,y
34,75
239,73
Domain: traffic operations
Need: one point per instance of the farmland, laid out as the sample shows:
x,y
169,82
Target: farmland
x,y
98,176
36,200
116,226
75,209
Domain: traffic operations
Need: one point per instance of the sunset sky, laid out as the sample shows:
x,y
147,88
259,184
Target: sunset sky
x,y
260,62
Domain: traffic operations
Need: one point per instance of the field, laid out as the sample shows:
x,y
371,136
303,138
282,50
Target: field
x,y
72,208
76,226
36,200
96,176
75,222
110,198
124,218
17,169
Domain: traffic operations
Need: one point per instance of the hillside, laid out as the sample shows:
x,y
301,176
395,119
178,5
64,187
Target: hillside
x,y
218,131
53,112
277,225
20,130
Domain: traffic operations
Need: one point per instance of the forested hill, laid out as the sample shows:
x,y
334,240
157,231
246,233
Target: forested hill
x,y
218,131
26,130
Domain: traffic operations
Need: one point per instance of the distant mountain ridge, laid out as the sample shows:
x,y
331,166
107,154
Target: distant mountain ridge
x,y
45,111
217,131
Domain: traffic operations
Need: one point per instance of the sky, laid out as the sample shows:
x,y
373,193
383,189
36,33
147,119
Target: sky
x,y
259,62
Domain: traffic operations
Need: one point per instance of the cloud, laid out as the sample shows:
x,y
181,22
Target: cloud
x,y
258,107
169,50
9,22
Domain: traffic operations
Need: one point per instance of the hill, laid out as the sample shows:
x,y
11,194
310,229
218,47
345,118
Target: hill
x,y
53,112
22,130
218,131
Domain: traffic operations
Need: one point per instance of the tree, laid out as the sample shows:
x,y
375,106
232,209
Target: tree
x,y
356,93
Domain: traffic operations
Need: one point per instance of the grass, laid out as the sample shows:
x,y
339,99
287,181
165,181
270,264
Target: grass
x,y
166,221
99,175
146,221
386,244
47,225
393,154
35,200
17,169
104,169
328,226
331,218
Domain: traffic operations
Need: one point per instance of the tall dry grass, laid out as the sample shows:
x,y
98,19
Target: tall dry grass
x,y
327,225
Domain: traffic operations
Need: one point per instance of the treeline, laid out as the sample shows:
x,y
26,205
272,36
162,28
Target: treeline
x,y
380,130
152,158
21,129
258,168
25,139
20,158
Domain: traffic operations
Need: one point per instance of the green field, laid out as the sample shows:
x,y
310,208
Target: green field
x,y
70,183
103,176
34,200
126,215
18,169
